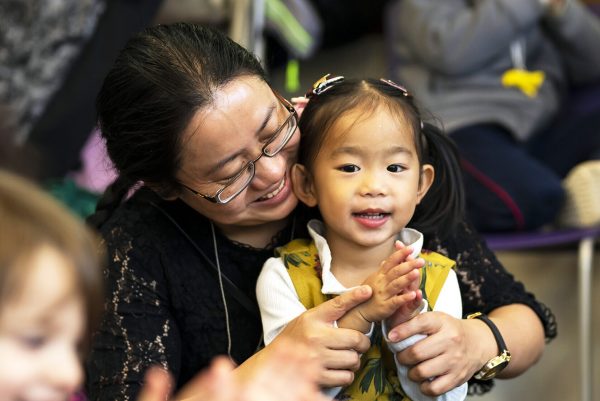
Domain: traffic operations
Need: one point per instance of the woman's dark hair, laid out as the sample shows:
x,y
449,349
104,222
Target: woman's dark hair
x,y
162,77
443,205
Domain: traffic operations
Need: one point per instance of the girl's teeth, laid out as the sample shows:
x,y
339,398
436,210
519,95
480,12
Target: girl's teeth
x,y
371,215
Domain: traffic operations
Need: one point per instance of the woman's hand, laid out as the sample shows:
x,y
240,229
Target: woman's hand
x,y
337,349
455,349
450,354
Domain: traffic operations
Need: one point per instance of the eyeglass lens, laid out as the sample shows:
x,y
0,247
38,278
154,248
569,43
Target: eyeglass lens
x,y
277,143
281,137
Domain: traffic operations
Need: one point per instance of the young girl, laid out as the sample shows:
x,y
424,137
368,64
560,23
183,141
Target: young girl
x,y
50,294
367,161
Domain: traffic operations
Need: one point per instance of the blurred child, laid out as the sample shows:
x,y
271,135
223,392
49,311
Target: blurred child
x,y
50,294
368,163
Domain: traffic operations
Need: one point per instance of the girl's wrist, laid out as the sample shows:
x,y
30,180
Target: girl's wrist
x,y
355,320
394,320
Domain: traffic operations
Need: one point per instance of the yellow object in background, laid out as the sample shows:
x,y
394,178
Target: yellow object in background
x,y
528,82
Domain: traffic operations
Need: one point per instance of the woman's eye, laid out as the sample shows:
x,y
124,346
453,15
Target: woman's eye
x,y
395,168
265,139
349,168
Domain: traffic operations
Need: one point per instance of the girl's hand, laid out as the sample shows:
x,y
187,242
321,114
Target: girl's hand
x,y
407,311
393,287
451,353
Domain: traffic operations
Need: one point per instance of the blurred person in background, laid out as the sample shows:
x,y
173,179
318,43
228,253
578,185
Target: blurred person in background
x,y
498,74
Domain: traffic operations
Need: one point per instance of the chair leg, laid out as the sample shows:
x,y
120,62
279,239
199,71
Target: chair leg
x,y
585,259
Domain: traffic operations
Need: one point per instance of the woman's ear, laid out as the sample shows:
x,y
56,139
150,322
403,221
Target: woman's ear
x,y
161,191
427,177
303,185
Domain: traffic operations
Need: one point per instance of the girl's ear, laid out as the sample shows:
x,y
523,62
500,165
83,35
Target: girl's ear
x,y
427,177
303,185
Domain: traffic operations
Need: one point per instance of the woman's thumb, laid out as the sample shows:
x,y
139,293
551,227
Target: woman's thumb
x,y
337,307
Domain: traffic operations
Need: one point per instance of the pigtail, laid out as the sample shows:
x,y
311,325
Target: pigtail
x,y
110,201
444,204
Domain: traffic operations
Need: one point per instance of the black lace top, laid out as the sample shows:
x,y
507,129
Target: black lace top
x,y
164,304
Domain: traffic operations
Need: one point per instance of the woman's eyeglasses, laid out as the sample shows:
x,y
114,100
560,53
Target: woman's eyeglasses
x,y
240,181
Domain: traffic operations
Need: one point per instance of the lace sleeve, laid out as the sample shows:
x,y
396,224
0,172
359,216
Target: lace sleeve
x,y
137,330
486,285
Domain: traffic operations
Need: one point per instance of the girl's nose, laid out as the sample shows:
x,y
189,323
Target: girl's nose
x,y
373,185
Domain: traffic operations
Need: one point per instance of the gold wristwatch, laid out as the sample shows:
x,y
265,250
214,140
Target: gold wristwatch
x,y
497,363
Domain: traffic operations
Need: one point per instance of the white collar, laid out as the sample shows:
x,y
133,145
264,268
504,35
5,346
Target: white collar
x,y
331,285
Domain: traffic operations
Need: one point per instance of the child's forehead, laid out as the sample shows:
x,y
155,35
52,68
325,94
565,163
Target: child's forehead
x,y
366,123
47,282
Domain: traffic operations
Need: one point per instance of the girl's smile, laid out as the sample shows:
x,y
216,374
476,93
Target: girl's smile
x,y
371,218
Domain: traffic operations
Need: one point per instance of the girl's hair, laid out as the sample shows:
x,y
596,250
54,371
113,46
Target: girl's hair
x,y
443,206
32,219
159,80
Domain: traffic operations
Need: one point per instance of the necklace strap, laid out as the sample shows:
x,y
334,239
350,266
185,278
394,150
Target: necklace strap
x,y
232,289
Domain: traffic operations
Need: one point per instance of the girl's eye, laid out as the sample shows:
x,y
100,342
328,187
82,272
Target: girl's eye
x,y
349,168
395,168
33,342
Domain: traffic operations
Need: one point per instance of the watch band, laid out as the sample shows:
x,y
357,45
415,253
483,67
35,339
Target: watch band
x,y
493,327
499,362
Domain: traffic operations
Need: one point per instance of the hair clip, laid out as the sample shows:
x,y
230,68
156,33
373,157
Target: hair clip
x,y
395,85
404,91
323,84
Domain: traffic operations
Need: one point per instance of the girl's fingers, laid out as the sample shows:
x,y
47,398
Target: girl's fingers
x,y
405,268
396,258
403,283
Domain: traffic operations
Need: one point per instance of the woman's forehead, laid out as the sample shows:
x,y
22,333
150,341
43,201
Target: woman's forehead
x,y
231,122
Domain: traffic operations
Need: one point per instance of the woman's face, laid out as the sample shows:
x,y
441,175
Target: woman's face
x,y
222,138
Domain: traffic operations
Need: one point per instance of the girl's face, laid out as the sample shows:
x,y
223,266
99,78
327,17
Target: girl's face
x,y
365,179
222,138
40,333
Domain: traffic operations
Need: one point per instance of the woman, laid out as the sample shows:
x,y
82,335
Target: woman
x,y
188,112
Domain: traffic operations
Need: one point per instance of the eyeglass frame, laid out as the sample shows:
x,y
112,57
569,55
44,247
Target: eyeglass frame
x,y
251,164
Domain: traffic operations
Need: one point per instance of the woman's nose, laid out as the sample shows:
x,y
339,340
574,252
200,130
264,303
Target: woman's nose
x,y
269,170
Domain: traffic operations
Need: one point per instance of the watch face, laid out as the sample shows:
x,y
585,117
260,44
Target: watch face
x,y
492,371
493,367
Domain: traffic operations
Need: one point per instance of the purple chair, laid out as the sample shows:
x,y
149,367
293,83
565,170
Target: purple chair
x,y
585,237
